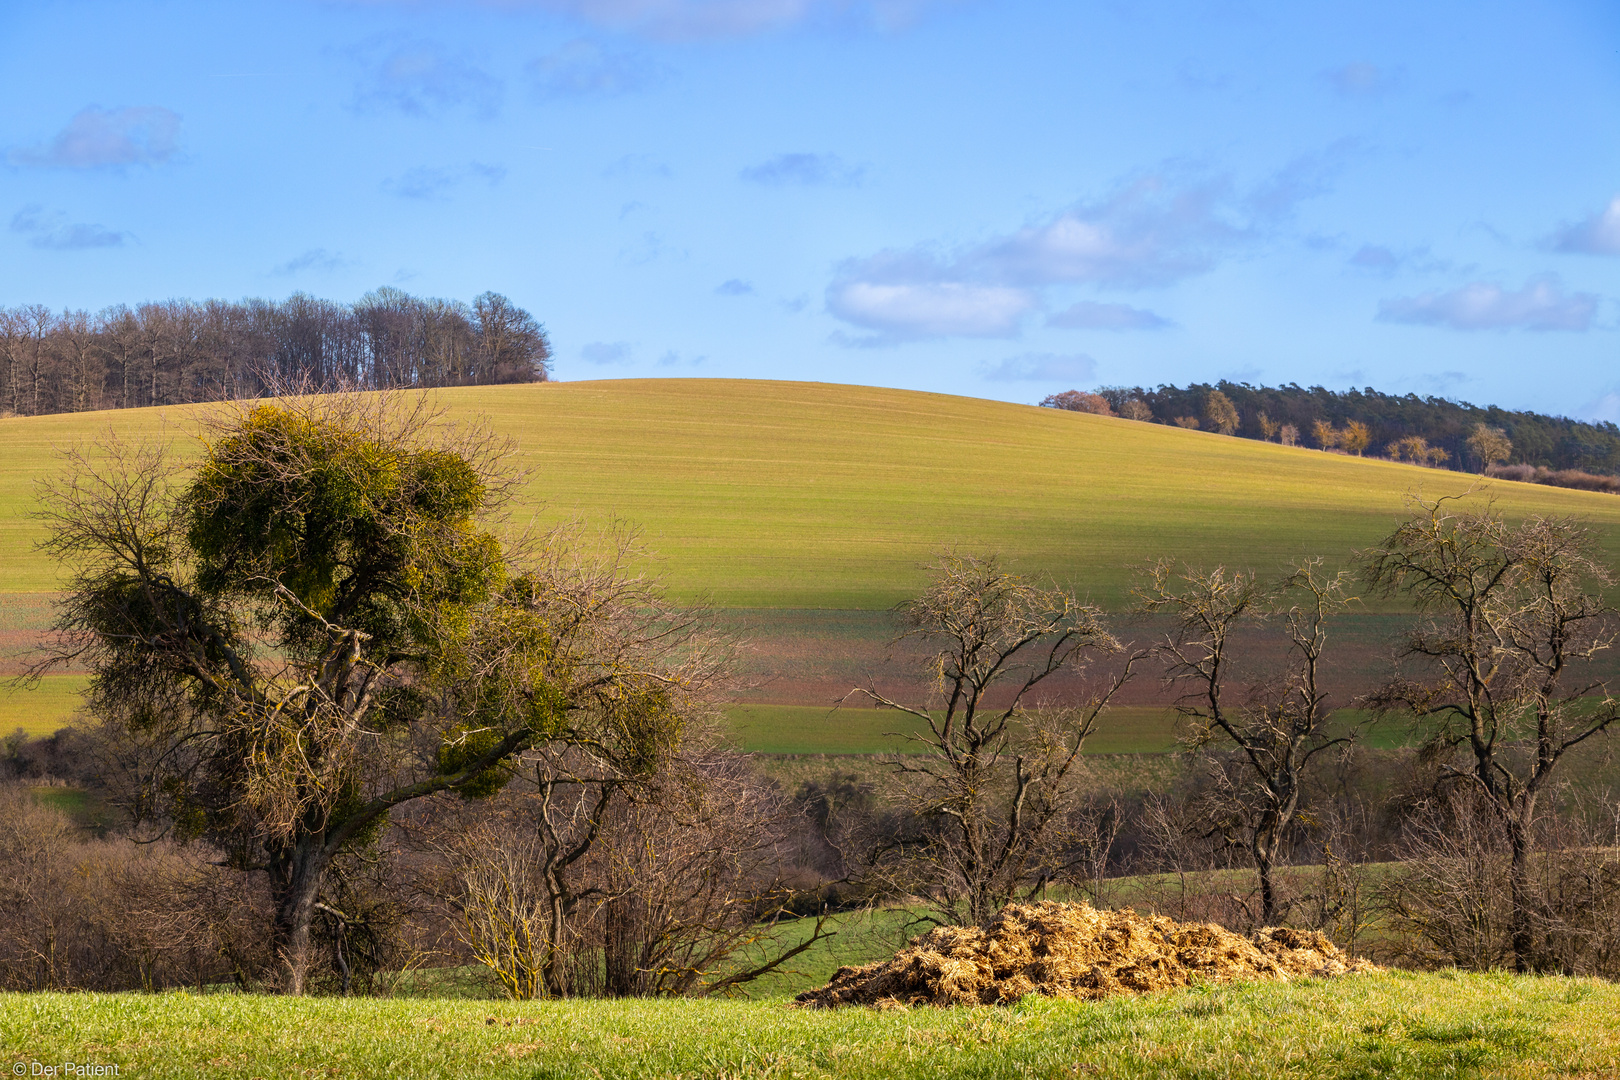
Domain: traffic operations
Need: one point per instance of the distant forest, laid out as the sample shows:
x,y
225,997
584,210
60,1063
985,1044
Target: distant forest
x,y
1551,442
181,351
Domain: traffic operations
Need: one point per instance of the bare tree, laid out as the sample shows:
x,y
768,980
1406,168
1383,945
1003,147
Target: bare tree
x,y
993,778
1355,437
1078,401
1489,445
1221,413
1501,669
590,881
1276,727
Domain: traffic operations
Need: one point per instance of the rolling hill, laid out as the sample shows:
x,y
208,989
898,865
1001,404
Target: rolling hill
x,y
808,495
805,510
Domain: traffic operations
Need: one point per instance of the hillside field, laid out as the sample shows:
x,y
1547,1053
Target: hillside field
x,y
773,494
804,511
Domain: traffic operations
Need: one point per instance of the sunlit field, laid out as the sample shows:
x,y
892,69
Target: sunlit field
x,y
775,494
1399,1025
803,510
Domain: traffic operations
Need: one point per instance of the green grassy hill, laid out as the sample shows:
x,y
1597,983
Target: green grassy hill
x,y
773,494
779,501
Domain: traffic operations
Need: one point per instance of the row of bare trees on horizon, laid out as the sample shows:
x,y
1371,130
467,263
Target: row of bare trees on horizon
x,y
182,351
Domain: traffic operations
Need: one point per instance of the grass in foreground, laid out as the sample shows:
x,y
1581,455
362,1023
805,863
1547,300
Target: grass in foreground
x,y
1398,1025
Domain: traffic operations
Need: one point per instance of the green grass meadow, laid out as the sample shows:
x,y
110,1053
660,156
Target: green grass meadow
x,y
1371,1027
42,708
814,729
776,494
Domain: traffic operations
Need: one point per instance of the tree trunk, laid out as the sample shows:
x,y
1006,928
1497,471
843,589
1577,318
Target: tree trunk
x,y
305,870
623,943
1521,918
551,970
1265,861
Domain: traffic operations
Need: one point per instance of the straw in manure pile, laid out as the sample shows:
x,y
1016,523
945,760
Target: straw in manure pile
x,y
1075,951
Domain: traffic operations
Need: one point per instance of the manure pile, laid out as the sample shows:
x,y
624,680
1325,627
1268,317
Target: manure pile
x,y
1075,951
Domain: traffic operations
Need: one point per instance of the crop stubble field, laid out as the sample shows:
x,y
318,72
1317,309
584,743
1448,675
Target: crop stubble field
x,y
804,511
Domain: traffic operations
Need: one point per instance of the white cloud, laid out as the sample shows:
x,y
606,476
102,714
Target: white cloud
x,y
1376,257
422,77
1043,367
1089,315
1605,408
313,259
101,138
605,352
584,68
1151,232
1541,305
1598,234
430,183
722,18
1386,261
52,231
1154,231
638,166
1361,79
735,287
811,170
902,311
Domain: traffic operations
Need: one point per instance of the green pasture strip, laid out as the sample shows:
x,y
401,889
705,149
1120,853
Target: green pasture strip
x,y
858,937
1389,1026
813,729
816,729
85,808
43,707
776,494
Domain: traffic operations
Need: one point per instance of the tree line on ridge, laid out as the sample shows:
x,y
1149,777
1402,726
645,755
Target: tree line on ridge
x,y
1430,430
181,351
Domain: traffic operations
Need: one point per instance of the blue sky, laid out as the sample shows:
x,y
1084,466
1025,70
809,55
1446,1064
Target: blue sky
x,y
994,199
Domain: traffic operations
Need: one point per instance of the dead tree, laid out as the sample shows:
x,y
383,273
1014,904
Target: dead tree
x,y
1501,667
1276,727
991,779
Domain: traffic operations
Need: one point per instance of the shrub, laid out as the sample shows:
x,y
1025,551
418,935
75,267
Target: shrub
x,y
1569,478
1078,401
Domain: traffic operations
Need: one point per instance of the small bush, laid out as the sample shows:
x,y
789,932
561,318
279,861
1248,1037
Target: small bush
x,y
1078,401
1567,478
